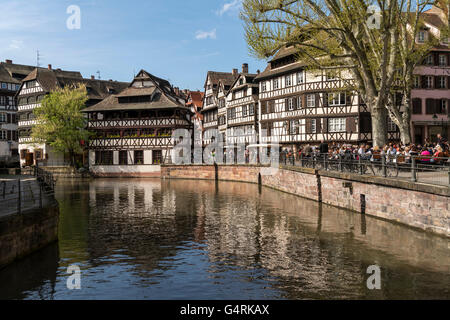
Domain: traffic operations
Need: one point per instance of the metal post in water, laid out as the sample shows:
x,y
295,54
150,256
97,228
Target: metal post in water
x,y
383,166
19,200
413,169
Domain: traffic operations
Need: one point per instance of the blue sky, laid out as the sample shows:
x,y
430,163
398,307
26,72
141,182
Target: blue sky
x,y
173,39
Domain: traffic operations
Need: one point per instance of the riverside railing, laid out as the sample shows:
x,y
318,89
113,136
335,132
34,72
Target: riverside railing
x,y
26,193
424,169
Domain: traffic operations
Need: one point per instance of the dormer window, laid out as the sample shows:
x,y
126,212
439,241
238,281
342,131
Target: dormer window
x,y
111,91
421,36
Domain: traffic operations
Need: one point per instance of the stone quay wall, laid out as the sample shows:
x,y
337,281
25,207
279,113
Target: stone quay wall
x,y
414,204
24,233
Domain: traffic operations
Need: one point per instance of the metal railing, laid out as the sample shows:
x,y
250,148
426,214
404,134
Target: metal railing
x,y
424,169
27,193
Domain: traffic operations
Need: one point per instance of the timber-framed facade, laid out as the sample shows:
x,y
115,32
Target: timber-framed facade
x,y
133,129
300,106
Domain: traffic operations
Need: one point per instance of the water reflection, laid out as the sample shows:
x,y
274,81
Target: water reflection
x,y
201,240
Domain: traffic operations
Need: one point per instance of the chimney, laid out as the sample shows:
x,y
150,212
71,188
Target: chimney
x,y
92,77
235,72
49,67
8,61
245,68
177,91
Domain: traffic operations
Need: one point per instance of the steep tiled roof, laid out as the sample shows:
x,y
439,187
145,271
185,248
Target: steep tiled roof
x,y
196,98
162,95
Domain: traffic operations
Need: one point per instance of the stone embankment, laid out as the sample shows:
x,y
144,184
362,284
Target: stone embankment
x,y
418,205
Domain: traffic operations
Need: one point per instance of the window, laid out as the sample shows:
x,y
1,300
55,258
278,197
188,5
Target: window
x,y
300,76
391,126
429,82
290,103
275,84
417,106
313,126
4,85
138,157
263,86
310,100
441,82
123,157
442,60
104,157
251,109
299,102
3,135
330,76
421,37
288,81
336,99
244,111
336,125
2,117
429,60
441,106
293,127
157,156
416,82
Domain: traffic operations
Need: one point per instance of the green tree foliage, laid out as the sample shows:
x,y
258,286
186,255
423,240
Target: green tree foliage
x,y
377,47
60,122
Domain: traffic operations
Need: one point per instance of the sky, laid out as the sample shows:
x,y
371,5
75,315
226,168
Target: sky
x,y
178,40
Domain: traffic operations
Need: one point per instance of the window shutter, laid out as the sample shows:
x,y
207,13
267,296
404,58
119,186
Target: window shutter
x,y
304,100
324,125
308,126
318,125
436,82
8,135
317,100
348,98
286,104
297,126
8,119
417,106
294,101
350,124
325,99
430,106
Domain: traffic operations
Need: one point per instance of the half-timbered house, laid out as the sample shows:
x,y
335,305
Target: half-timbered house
x,y
194,103
211,100
241,106
133,129
11,76
35,86
301,106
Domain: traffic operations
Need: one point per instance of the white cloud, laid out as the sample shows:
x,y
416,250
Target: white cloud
x,y
201,35
15,44
235,5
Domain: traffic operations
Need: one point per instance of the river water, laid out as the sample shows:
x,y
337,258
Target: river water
x,y
180,239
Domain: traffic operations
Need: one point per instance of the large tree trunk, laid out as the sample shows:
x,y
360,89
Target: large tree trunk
x,y
405,134
379,126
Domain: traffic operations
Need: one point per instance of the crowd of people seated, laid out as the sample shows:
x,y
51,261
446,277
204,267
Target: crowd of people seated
x,y
427,153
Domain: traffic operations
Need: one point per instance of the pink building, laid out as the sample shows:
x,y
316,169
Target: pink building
x,y
431,93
